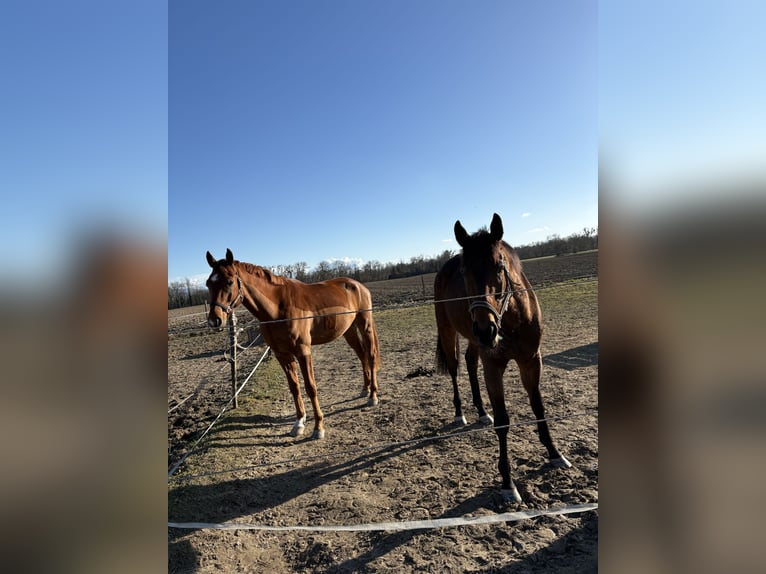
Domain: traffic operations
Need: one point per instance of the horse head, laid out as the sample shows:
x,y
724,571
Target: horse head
x,y
225,289
487,281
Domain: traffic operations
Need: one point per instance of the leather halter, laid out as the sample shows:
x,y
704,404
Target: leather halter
x,y
229,308
484,304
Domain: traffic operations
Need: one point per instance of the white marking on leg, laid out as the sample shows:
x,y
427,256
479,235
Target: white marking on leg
x,y
511,495
298,427
561,462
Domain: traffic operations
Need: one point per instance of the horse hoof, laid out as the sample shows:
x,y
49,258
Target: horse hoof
x,y
487,420
297,430
461,421
510,495
317,434
561,462
373,401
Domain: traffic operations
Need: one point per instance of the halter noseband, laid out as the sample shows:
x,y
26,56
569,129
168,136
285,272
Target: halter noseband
x,y
229,308
483,304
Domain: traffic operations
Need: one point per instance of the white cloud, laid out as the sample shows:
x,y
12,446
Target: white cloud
x,y
539,229
351,261
195,280
526,214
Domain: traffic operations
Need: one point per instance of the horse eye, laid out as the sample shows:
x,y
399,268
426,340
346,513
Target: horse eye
x,y
230,283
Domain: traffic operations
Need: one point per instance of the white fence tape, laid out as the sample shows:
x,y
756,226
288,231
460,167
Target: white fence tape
x,y
395,526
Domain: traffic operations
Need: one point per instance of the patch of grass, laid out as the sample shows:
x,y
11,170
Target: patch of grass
x,y
568,299
267,386
404,318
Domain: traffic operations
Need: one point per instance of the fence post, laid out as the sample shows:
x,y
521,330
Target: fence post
x,y
233,347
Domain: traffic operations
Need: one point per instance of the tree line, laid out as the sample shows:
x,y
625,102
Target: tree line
x,y
184,293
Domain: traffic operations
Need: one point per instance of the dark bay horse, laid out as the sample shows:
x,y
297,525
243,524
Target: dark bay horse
x,y
483,295
294,316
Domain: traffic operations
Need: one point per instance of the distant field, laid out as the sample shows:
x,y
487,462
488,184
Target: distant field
x,y
541,272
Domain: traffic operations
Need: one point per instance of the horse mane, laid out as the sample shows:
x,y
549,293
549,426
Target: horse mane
x,y
261,272
512,255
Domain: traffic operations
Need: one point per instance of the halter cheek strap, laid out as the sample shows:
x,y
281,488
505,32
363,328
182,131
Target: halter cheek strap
x,y
229,308
483,304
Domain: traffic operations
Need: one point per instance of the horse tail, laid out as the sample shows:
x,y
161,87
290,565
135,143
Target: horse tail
x,y
441,358
375,345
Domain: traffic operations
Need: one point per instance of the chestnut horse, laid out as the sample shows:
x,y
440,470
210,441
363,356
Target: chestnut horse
x,y
483,295
294,316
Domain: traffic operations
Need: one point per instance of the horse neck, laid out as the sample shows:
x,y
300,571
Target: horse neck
x,y
524,300
261,297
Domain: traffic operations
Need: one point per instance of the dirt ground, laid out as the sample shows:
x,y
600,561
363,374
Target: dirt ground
x,y
370,468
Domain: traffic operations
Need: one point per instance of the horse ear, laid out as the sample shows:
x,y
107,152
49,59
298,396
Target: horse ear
x,y
229,256
210,259
460,234
496,228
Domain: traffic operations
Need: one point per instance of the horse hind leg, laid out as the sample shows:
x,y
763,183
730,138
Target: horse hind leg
x,y
472,365
447,363
354,338
369,335
530,371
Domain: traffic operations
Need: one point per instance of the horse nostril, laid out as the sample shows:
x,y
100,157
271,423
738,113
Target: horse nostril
x,y
487,337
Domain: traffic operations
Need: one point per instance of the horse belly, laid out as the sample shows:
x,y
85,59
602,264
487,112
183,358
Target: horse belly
x,y
330,326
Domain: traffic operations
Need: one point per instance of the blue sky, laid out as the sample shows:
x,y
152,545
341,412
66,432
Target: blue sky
x,y
294,131
83,133
681,98
306,131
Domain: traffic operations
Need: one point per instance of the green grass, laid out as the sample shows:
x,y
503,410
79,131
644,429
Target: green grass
x,y
404,318
568,299
268,385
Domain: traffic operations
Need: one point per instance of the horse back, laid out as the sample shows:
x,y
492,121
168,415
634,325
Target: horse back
x,y
329,307
340,292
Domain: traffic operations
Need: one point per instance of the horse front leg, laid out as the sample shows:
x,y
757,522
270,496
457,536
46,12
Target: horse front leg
x,y
472,366
307,368
287,362
493,379
530,371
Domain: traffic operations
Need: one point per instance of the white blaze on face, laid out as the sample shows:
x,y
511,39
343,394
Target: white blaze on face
x,y
214,277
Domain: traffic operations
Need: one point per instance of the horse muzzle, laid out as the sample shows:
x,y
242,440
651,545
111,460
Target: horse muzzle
x,y
487,337
214,320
